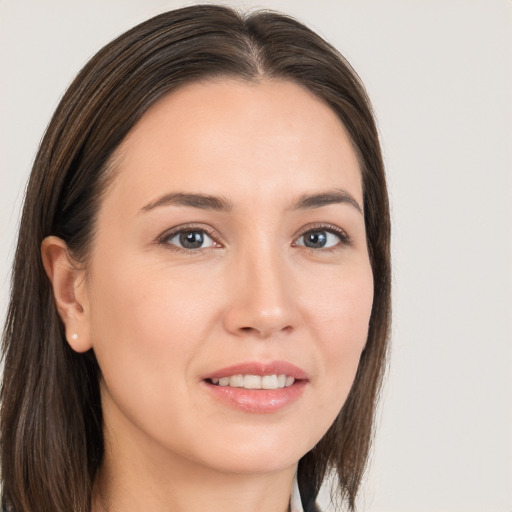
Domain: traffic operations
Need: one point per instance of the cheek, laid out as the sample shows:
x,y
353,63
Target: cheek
x,y
340,307
340,318
146,330
145,303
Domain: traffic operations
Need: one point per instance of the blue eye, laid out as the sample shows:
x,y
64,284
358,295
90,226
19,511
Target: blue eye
x,y
319,239
191,239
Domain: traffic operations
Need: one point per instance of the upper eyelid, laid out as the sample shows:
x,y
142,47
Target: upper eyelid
x,y
211,232
324,227
164,239
189,227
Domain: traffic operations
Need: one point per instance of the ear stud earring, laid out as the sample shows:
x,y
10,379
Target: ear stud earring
x,y
74,336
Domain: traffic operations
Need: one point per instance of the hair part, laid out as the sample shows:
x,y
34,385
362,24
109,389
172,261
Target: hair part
x,y
51,439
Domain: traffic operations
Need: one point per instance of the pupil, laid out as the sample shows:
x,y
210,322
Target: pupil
x,y
316,239
192,239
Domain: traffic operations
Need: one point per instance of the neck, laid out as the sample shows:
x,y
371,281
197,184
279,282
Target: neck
x,y
186,489
132,478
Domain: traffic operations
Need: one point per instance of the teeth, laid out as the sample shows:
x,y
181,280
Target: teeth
x,y
252,382
237,381
269,382
255,381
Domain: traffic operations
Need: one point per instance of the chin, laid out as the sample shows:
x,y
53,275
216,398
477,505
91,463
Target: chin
x,y
256,465
252,455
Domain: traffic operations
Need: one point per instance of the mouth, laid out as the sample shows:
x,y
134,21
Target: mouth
x,y
257,387
254,381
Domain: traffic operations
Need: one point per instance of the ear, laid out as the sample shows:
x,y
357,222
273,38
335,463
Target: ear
x,y
69,290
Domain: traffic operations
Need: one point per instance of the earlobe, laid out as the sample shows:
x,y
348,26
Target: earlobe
x,y
69,291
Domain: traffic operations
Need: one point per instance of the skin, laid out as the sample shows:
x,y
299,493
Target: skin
x,y
160,317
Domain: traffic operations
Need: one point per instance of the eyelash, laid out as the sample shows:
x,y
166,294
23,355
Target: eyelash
x,y
344,239
163,240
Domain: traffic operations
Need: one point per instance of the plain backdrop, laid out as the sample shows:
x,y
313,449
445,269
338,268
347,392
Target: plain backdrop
x,y
439,73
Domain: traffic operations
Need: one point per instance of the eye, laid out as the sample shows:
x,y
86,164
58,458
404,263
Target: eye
x,y
190,239
320,239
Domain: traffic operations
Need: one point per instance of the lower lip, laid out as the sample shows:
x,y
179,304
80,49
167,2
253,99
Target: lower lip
x,y
260,401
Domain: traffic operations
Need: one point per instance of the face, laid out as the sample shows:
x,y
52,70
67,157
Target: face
x,y
230,256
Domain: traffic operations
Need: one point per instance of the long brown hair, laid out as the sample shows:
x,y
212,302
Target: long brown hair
x,y
51,437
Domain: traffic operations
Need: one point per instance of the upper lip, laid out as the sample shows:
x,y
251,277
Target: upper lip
x,y
259,368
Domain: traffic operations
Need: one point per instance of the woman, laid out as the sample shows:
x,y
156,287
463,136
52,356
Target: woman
x,y
200,299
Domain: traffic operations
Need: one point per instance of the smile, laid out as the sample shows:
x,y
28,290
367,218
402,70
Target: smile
x,y
255,381
257,387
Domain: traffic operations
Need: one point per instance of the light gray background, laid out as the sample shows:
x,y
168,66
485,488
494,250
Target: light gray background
x,y
440,76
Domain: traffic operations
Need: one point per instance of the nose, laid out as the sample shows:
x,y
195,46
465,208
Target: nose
x,y
262,299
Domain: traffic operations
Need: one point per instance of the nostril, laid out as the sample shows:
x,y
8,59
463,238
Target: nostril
x,y
247,329
264,332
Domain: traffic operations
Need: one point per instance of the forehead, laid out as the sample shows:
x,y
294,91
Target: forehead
x,y
236,137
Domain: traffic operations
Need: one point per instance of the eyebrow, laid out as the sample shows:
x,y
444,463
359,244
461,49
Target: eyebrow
x,y
202,201
219,203
310,201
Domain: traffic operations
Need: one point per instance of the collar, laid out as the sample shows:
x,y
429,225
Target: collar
x,y
295,501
